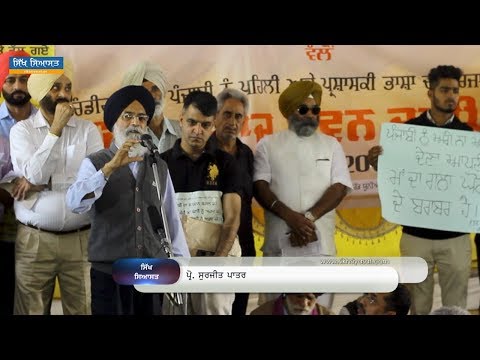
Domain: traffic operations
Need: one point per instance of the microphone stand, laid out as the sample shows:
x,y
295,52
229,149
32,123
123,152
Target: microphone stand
x,y
176,299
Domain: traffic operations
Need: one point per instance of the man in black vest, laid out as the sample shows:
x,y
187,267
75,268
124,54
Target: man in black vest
x,y
119,199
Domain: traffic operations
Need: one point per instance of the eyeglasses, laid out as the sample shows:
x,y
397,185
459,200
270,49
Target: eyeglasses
x,y
128,116
303,109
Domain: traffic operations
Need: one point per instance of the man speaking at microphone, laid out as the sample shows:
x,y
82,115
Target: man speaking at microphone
x,y
118,189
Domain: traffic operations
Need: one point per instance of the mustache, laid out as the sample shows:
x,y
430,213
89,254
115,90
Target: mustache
x,y
61,100
19,92
132,131
309,122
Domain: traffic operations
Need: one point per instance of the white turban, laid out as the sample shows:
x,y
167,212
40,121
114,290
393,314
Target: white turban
x,y
146,70
40,84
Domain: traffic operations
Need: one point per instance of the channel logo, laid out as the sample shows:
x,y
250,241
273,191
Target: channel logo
x,y
36,65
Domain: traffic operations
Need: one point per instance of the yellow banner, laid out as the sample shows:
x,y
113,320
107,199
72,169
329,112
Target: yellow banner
x,y
364,86
36,71
34,50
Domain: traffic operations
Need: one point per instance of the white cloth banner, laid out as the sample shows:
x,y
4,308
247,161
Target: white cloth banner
x,y
364,86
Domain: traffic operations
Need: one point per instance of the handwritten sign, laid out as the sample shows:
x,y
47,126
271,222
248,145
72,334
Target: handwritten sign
x,y
430,177
202,205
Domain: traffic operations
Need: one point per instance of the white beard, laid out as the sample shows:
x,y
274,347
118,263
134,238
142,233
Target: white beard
x,y
158,108
120,136
294,309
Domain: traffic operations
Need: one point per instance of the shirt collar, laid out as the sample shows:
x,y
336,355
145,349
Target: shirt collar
x,y
433,121
39,121
169,127
213,140
178,152
152,134
4,113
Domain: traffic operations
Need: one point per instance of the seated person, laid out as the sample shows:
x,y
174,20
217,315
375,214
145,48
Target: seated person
x,y
292,304
394,303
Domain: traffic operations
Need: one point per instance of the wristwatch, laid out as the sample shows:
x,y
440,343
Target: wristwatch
x,y
310,216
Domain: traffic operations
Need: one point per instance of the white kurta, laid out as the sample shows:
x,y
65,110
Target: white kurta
x,y
299,171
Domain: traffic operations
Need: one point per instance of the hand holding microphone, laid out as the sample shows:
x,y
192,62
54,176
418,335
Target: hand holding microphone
x,y
146,141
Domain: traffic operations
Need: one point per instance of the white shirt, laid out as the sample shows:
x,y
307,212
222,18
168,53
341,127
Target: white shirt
x,y
429,117
170,133
299,171
43,158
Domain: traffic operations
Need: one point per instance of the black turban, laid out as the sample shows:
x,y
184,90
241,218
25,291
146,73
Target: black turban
x,y
120,99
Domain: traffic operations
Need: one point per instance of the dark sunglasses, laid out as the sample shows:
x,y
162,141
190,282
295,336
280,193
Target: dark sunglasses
x,y
303,109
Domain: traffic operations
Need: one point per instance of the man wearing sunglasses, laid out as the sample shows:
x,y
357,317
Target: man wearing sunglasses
x,y
300,176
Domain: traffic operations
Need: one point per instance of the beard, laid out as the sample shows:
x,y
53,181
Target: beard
x,y
12,100
294,309
131,132
448,109
303,126
159,105
49,105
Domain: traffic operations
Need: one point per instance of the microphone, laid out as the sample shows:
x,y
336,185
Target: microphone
x,y
146,141
157,225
